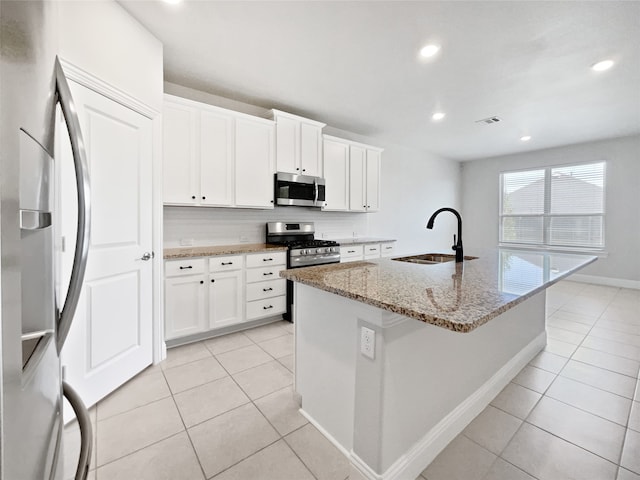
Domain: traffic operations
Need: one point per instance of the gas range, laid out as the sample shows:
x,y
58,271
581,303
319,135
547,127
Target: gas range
x,y
304,249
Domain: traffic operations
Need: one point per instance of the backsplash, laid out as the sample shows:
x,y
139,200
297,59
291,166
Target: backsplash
x,y
225,226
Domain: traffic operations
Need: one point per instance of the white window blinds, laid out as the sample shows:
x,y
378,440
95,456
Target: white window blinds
x,y
555,206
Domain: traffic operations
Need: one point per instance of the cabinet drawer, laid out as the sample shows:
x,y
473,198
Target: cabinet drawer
x,y
266,259
266,308
222,264
387,249
372,250
263,274
188,266
262,290
351,253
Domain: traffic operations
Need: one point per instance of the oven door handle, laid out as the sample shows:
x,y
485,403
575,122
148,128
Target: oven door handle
x,y
315,188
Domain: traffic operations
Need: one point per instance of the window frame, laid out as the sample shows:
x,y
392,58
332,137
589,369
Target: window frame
x,y
546,216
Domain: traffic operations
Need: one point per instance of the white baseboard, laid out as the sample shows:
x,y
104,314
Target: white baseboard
x,y
326,434
608,281
410,465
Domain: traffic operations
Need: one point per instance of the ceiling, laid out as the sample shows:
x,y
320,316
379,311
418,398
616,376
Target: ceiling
x,y
355,66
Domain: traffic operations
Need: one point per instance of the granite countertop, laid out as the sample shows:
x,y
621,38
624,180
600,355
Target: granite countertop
x,y
187,252
459,297
362,240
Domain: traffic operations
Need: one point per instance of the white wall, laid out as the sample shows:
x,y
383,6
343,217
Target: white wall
x,y
480,185
104,40
413,185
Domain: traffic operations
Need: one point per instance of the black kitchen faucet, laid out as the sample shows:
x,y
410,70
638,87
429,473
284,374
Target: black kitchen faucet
x,y
457,247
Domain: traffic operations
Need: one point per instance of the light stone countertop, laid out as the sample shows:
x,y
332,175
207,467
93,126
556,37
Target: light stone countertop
x,y
459,297
362,240
188,252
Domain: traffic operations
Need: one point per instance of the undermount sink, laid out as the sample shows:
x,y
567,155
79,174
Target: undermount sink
x,y
431,258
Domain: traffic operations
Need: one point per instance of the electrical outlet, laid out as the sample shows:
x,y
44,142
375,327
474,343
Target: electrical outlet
x,y
368,342
186,242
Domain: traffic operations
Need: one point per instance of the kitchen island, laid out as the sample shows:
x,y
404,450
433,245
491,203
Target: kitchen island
x,y
443,340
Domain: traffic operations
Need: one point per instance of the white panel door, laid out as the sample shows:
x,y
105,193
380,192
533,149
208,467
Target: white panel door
x,y
216,158
310,149
336,174
111,336
357,184
373,180
225,299
255,164
179,157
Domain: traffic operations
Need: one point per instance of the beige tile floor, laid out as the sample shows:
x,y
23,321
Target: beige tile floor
x,y
223,409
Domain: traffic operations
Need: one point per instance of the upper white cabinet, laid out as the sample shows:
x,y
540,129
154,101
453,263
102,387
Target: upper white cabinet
x,y
216,157
336,173
352,172
298,144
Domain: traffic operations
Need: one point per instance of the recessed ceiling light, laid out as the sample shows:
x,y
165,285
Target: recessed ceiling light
x,y
602,66
526,138
438,116
429,50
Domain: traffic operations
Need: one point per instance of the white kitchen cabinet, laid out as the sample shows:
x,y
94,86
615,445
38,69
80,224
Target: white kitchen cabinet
x,y
225,298
298,144
184,300
254,162
266,291
371,251
181,167
351,253
372,182
387,249
357,178
216,157
336,173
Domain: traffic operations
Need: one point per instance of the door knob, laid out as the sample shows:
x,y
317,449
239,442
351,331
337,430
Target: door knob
x,y
147,256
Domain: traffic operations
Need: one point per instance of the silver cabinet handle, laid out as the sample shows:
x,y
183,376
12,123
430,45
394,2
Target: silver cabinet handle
x,y
84,422
148,256
315,187
63,96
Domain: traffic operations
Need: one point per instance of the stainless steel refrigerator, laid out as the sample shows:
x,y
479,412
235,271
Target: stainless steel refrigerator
x,y
34,321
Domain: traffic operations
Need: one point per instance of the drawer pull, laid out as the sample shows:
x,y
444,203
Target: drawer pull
x,y
267,273
267,259
186,268
373,249
226,263
267,289
388,248
267,308
351,251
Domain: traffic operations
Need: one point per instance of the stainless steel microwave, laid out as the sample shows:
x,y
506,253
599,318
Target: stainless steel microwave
x,y
302,190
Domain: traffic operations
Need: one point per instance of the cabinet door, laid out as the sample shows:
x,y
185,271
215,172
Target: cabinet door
x,y
310,149
216,158
287,145
373,180
357,184
336,174
184,302
225,299
180,170
255,164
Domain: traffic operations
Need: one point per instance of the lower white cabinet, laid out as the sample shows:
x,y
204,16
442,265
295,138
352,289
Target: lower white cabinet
x,y
366,251
351,253
225,298
205,294
184,305
387,249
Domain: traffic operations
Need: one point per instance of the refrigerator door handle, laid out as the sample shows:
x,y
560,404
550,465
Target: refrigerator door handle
x,y
86,435
63,94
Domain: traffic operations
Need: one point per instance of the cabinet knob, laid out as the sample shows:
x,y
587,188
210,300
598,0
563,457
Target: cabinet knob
x,y
193,197
201,282
213,280
304,169
271,201
297,169
204,198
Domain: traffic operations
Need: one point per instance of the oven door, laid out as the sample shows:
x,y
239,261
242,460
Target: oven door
x,y
301,190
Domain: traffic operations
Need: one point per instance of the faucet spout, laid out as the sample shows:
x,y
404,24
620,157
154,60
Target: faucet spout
x,y
457,247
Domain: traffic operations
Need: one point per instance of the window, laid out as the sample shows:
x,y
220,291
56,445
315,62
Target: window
x,y
554,206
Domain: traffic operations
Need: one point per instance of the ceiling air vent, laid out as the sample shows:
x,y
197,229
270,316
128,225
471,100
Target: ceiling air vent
x,y
489,120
